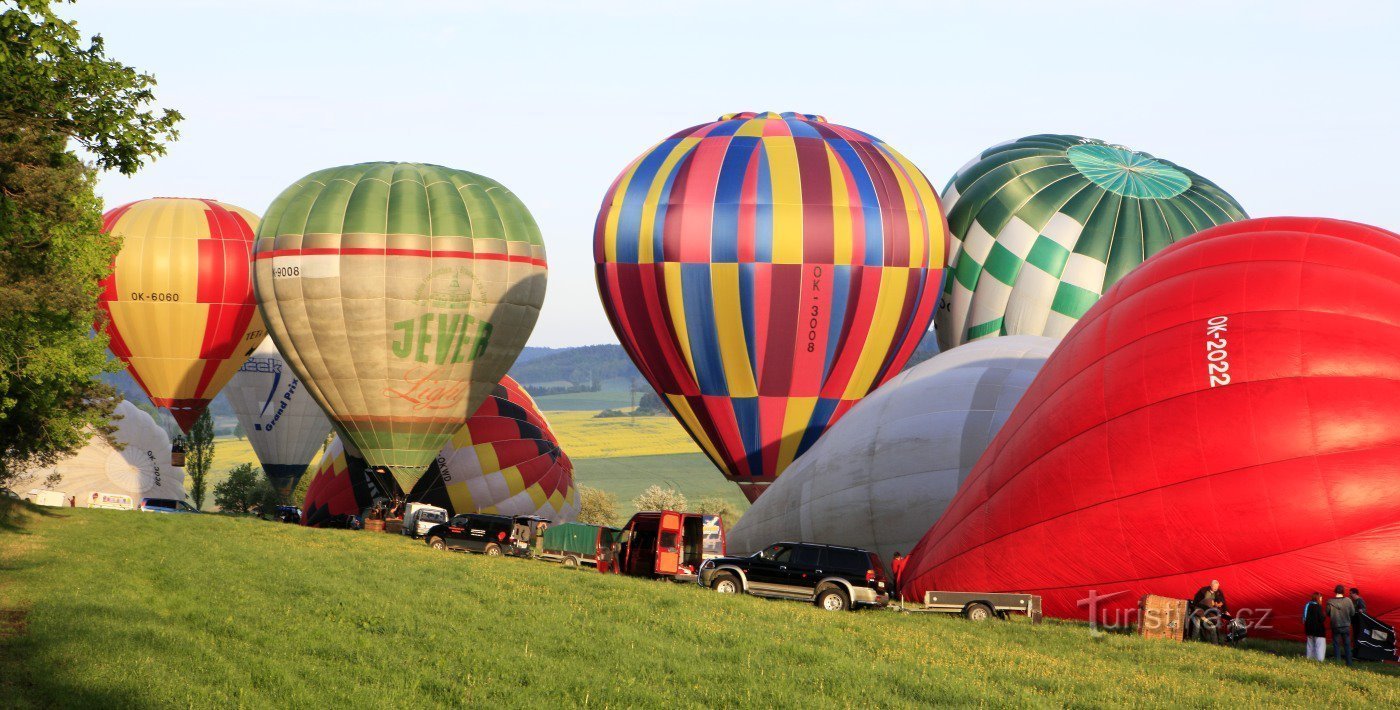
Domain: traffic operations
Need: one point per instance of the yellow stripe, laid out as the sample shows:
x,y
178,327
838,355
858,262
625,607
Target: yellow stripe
x,y
934,241
515,483
795,420
653,200
486,454
461,497
729,326
692,424
752,127
894,282
675,301
841,217
537,497
786,182
615,212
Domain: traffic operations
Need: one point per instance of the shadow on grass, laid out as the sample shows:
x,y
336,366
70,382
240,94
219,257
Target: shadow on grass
x,y
14,515
1282,649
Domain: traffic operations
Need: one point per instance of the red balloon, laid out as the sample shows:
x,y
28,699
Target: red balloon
x,y
1227,411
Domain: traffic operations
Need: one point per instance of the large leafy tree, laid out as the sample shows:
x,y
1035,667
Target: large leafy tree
x,y
59,97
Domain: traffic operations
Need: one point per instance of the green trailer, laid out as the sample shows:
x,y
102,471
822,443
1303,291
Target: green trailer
x,y
573,544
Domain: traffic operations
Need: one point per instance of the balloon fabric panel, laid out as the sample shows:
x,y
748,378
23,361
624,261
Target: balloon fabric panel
x,y
1226,411
178,305
765,272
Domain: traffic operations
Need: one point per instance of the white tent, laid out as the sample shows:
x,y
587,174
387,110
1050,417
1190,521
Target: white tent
x,y
141,470
882,475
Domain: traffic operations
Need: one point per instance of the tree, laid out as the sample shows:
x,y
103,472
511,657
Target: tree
x,y
238,431
52,251
199,456
596,506
299,493
246,490
714,505
657,498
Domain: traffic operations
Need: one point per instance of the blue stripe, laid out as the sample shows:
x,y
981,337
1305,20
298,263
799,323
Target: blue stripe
x,y
663,201
629,223
700,328
840,294
801,129
727,128
763,213
746,416
729,188
821,416
869,198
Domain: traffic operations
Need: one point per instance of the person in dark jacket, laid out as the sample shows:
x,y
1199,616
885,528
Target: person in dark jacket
x,y
1315,626
1207,607
1360,605
1215,594
1341,609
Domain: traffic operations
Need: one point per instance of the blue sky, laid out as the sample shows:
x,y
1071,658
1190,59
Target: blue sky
x,y
1290,106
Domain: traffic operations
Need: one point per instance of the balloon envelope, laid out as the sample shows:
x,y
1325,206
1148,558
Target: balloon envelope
x,y
879,477
1042,225
140,469
1227,411
278,415
178,304
505,460
400,293
340,485
765,272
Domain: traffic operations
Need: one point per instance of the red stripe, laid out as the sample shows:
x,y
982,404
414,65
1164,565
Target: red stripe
x,y
363,251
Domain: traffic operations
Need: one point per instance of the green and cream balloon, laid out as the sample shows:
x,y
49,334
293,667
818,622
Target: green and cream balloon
x,y
400,293
1042,226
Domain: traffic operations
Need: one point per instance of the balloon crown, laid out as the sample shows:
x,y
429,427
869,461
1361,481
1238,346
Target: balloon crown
x,y
774,115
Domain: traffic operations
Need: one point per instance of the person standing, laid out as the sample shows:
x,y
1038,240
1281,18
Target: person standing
x,y
1341,609
1360,605
897,568
1315,626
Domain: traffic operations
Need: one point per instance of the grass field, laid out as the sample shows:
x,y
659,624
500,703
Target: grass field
x,y
587,401
625,477
118,609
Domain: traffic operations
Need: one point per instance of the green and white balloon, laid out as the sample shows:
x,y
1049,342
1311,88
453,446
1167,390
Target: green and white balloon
x,y
1042,226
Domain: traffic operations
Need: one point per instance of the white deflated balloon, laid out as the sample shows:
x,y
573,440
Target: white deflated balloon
x,y
881,476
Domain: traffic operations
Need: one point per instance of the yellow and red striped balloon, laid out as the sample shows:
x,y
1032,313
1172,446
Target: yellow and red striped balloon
x,y
178,303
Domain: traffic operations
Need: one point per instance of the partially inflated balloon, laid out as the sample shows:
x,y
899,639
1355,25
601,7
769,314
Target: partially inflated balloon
x,y
178,304
340,485
1227,411
879,477
1042,225
141,469
400,293
765,272
278,415
505,460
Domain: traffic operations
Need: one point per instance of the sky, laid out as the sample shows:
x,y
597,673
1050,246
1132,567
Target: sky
x,y
1289,106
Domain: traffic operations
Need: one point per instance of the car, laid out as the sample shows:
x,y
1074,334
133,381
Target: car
x,y
7,493
165,505
287,514
474,532
834,577
419,518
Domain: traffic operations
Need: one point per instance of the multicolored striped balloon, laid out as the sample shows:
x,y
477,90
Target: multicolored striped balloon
x,y
505,460
178,305
1041,226
400,293
765,271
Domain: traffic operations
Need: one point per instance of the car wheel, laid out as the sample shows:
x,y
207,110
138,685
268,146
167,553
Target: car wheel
x,y
570,561
492,550
725,583
833,599
437,543
978,612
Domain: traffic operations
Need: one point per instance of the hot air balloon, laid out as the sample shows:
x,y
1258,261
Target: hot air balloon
x,y
400,293
1042,225
278,415
178,305
505,460
341,485
879,477
1226,411
140,469
765,272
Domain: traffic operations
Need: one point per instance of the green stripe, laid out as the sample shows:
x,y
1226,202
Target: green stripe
x,y
991,327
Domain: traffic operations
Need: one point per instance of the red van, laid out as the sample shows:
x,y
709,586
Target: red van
x,y
664,543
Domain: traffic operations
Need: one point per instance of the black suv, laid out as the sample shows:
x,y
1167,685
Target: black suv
x,y
833,577
477,532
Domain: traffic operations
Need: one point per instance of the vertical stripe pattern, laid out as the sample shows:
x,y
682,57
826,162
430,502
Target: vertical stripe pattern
x,y
765,271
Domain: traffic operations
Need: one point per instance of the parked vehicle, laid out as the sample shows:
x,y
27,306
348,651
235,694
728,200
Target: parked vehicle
x,y
418,518
666,543
7,493
835,578
165,505
288,514
979,606
476,532
111,501
574,544
344,521
526,535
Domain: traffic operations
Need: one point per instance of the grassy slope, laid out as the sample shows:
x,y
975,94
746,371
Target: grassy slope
x,y
625,477
128,609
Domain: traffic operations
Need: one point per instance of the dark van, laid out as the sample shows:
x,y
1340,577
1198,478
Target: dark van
x,y
475,532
